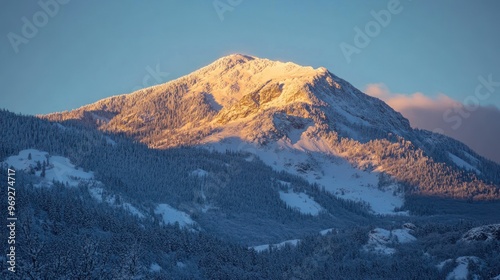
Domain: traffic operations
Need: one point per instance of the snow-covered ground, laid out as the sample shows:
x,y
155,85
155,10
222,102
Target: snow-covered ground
x,y
442,264
171,215
155,267
462,163
199,172
133,210
59,169
327,231
482,233
99,194
265,247
110,141
286,184
205,205
461,270
301,201
380,240
291,242
310,159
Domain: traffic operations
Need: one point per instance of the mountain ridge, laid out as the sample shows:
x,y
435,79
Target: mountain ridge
x,y
209,89
282,109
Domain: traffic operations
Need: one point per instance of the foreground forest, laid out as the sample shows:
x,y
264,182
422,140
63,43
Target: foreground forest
x,y
65,232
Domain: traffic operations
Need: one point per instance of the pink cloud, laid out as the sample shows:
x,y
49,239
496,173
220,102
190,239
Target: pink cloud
x,y
476,128
416,100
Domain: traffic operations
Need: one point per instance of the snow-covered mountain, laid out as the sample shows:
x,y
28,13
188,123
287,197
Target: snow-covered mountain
x,y
254,99
301,120
98,205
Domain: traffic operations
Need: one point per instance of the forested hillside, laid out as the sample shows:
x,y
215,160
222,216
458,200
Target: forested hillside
x,y
65,232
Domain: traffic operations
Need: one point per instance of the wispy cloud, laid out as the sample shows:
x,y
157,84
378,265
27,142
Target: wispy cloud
x,y
477,128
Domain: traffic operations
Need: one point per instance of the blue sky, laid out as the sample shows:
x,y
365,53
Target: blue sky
x,y
88,50
62,54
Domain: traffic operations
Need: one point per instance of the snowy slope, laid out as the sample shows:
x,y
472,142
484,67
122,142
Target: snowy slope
x,y
59,169
381,241
326,231
301,201
98,192
328,170
461,269
483,233
171,215
462,163
199,172
266,247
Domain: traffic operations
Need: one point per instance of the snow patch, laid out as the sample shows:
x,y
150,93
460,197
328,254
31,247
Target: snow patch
x,y
155,267
461,270
180,265
442,264
462,163
134,211
312,160
96,193
403,236
60,126
326,231
283,183
482,233
100,195
380,240
199,172
266,247
100,118
302,202
471,158
59,168
171,215
110,141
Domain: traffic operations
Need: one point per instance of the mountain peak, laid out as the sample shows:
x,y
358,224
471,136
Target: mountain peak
x,y
239,87
240,67
237,57
230,61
